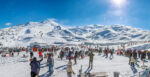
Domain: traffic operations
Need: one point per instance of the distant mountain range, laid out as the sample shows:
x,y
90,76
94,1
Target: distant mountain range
x,y
50,32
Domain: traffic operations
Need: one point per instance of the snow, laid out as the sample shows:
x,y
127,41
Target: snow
x,y
14,67
19,67
145,46
50,31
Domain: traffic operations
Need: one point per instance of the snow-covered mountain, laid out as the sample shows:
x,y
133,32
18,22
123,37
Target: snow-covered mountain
x,y
50,32
111,33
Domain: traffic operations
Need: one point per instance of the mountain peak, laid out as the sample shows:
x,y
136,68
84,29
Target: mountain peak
x,y
50,21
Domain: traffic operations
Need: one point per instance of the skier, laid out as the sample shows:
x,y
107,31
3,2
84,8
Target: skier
x,y
35,67
50,62
91,55
69,69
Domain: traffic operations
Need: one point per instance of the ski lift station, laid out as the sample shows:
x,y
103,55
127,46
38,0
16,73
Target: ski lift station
x,y
39,45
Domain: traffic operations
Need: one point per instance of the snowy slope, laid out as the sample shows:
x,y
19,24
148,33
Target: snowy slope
x,y
50,31
113,32
20,66
44,32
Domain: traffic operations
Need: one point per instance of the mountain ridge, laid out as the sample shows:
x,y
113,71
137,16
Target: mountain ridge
x,y
49,31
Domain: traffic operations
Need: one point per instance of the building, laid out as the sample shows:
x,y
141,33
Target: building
x,y
38,45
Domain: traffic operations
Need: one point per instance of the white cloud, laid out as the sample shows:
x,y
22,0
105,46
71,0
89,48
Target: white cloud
x,y
8,24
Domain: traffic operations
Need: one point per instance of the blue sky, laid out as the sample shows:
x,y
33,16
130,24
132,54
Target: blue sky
x,y
76,12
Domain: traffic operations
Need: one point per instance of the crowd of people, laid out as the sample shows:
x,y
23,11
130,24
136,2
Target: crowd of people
x,y
75,53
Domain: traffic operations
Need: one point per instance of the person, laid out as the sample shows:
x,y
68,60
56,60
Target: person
x,y
139,53
148,54
91,55
12,54
135,54
111,53
143,56
107,53
132,61
35,67
75,57
69,69
100,51
69,54
50,62
40,53
61,54
31,54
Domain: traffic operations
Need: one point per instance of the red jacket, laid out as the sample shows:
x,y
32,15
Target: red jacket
x,y
40,53
34,49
